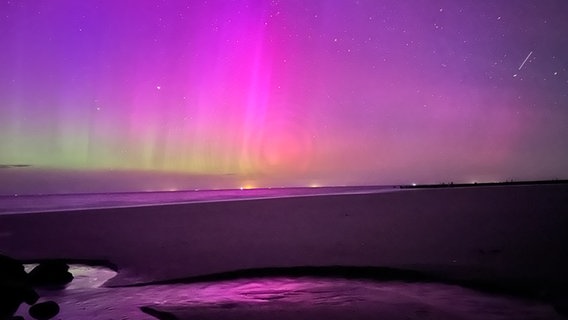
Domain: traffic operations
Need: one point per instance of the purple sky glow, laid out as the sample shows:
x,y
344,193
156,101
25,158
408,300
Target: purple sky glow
x,y
222,94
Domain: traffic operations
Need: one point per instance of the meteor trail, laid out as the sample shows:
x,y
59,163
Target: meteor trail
x,y
527,58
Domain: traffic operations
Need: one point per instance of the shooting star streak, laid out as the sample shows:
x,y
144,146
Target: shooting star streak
x,y
526,59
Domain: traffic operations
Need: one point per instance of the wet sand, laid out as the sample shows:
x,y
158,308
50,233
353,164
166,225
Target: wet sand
x,y
294,298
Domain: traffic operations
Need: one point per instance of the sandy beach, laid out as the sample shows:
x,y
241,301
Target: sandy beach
x,y
500,235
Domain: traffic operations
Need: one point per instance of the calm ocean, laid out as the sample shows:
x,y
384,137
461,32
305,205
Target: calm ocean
x,y
59,202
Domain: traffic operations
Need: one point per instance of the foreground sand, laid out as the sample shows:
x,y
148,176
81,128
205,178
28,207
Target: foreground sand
x,y
510,235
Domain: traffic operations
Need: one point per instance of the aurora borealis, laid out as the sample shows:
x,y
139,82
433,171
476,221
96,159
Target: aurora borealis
x,y
284,93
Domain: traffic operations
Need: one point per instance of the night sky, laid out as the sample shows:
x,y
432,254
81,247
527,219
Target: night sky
x,y
214,94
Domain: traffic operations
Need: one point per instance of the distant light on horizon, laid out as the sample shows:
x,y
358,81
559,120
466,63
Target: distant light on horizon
x,y
248,186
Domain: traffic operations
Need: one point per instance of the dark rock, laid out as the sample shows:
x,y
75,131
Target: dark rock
x,y
30,296
16,318
44,310
18,292
14,287
9,304
11,269
53,273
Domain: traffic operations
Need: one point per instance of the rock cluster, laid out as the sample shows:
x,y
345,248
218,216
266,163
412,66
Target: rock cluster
x,y
17,287
50,274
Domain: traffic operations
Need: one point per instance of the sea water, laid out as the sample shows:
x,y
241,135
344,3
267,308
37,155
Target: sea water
x,y
16,203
